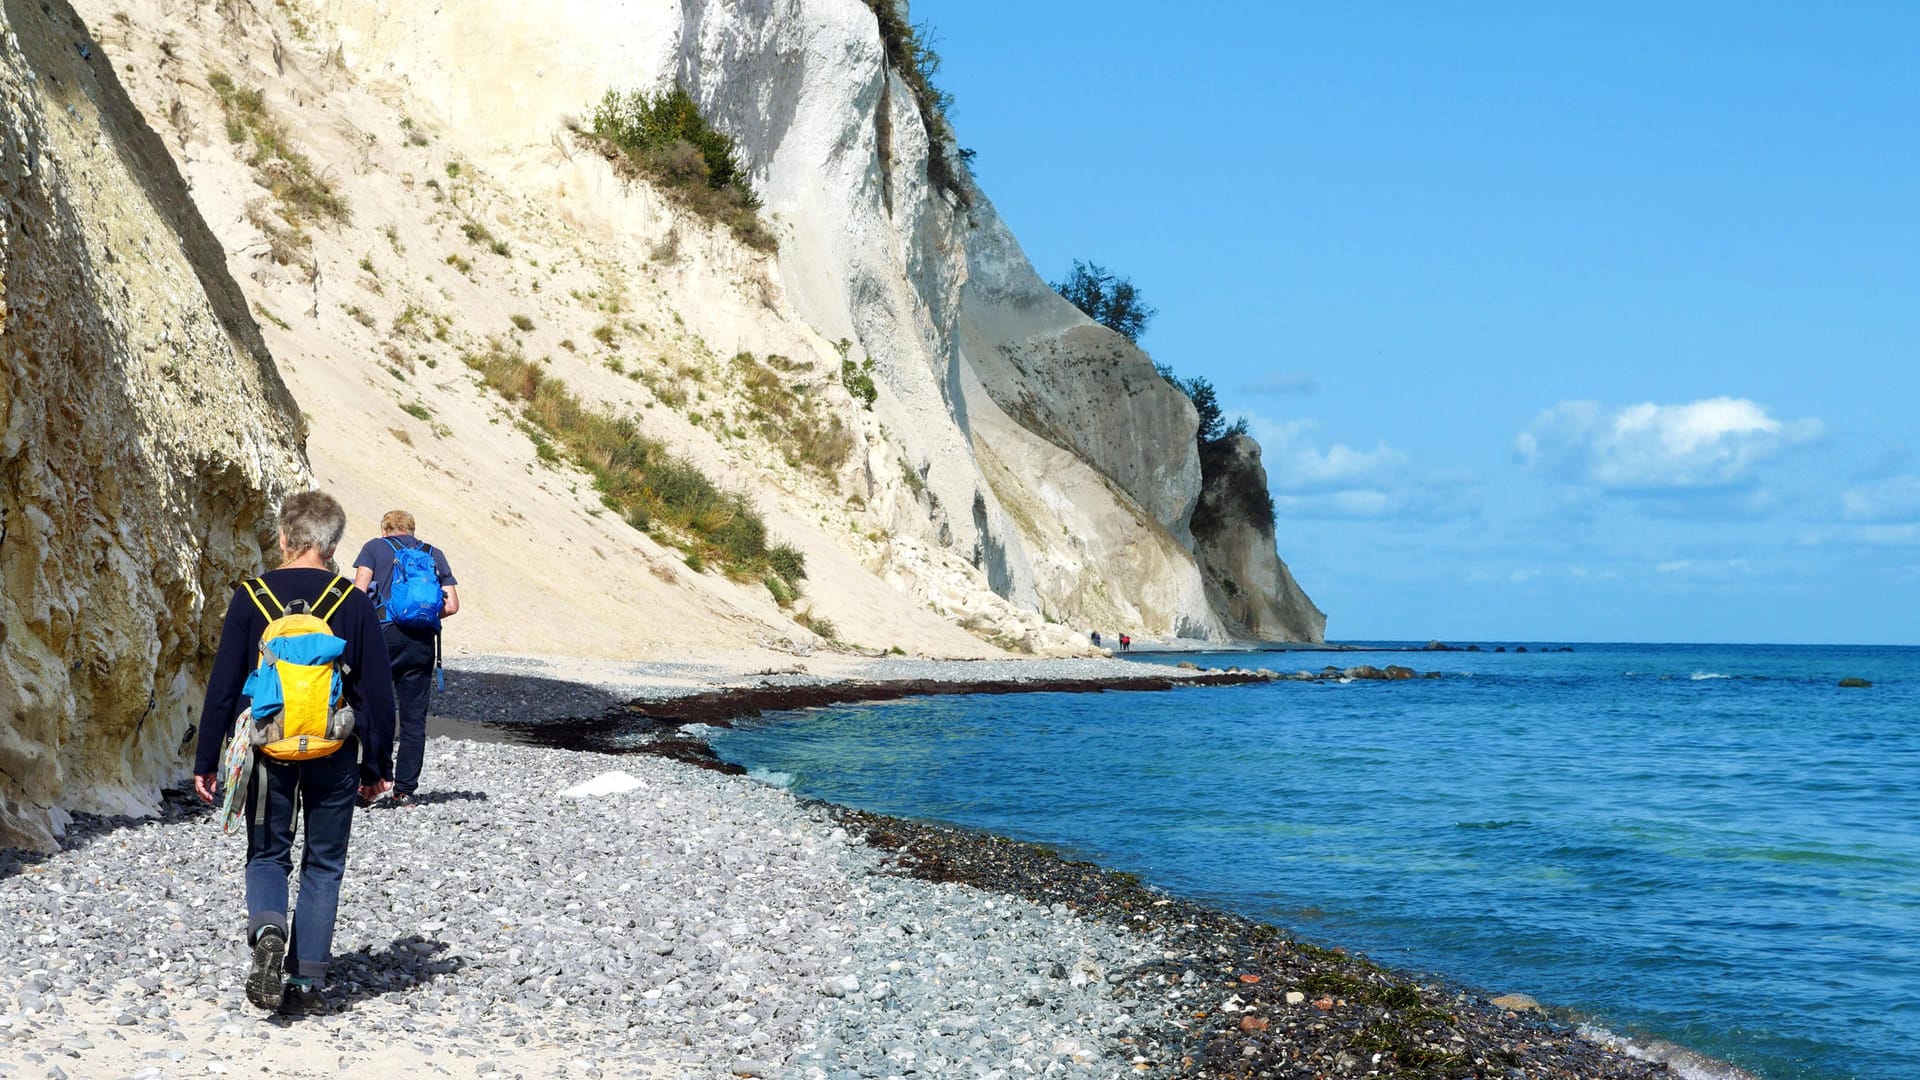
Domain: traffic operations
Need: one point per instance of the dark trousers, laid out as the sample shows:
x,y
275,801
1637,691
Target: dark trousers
x,y
410,655
322,791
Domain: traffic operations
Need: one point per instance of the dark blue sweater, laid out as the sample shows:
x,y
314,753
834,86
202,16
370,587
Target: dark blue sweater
x,y
369,685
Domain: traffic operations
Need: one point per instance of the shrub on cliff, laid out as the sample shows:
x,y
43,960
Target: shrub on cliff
x,y
910,52
638,477
303,193
663,138
1111,301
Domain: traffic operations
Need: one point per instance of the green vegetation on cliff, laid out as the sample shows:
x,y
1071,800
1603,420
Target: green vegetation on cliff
x,y
663,138
910,53
1107,299
638,477
303,193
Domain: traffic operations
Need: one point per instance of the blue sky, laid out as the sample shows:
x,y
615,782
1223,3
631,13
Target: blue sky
x,y
1555,321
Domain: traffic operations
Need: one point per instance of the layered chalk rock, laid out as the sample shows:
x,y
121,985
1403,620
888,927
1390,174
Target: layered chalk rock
x,y
1233,527
144,438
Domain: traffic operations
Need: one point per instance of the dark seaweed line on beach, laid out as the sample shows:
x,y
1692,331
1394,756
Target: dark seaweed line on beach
x,y
649,726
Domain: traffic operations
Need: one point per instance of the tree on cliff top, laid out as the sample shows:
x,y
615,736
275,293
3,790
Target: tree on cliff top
x,y
1206,402
1111,301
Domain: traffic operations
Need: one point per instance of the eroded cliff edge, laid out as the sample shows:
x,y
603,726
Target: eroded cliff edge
x,y
1233,529
144,438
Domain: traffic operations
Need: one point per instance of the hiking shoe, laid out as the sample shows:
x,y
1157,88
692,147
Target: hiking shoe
x,y
402,798
264,982
303,999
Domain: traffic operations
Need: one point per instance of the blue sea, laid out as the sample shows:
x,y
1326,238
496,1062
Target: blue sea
x,y
1712,845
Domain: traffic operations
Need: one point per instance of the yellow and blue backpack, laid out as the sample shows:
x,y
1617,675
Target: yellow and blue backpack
x,y
297,708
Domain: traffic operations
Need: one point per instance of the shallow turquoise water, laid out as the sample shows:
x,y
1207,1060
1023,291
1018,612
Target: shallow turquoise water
x,y
1713,845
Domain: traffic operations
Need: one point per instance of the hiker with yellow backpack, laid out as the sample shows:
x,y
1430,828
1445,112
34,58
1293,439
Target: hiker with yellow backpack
x,y
301,696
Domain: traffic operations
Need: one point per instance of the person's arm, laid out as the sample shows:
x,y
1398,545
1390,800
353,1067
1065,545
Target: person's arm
x,y
363,578
450,596
222,703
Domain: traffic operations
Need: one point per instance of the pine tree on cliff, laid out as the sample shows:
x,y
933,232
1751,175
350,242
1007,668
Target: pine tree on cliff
x,y
1111,301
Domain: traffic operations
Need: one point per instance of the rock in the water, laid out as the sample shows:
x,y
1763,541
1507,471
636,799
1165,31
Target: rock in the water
x,y
1853,682
1516,1003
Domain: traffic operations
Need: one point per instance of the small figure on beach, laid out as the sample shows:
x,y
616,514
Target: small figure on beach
x,y
322,777
1096,639
412,588
1126,642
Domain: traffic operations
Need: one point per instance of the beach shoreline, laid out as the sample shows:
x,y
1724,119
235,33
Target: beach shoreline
x,y
1115,977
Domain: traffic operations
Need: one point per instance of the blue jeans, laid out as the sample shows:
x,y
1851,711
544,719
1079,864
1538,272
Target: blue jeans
x,y
323,790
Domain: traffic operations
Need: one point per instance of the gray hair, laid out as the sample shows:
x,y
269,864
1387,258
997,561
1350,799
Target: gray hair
x,y
312,520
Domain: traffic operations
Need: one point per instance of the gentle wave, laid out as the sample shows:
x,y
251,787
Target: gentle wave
x,y
1683,1062
1699,676
771,777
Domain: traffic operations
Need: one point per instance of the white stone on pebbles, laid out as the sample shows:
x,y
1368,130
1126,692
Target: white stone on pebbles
x,y
696,924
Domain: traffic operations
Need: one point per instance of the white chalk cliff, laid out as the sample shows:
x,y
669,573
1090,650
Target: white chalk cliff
x,y
1023,476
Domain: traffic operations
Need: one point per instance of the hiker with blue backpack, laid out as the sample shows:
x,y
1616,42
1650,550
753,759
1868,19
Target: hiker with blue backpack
x,y
412,589
301,697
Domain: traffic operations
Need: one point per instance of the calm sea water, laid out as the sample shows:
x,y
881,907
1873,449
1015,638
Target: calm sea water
x,y
1713,845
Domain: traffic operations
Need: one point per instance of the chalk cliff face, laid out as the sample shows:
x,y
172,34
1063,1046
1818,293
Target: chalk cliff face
x,y
1043,449
144,438
1234,529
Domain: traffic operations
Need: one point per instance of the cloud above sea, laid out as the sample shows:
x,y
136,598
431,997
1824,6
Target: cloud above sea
x,y
1890,502
1708,445
1280,384
1312,478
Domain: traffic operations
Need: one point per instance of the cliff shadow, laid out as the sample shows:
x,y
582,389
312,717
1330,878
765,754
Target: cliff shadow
x,y
176,805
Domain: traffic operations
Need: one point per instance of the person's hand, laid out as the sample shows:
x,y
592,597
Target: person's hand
x,y
203,786
370,792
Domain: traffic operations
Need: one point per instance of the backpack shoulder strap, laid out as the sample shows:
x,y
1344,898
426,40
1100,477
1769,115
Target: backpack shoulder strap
x,y
257,587
392,543
337,588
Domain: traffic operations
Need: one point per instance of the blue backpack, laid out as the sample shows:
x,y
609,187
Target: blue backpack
x,y
414,598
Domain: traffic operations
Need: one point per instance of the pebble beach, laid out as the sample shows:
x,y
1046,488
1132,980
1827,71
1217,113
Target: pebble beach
x,y
570,913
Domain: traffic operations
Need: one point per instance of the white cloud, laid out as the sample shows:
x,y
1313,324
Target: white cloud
x,y
1339,481
1704,568
1295,464
1712,443
1281,384
1893,501
1874,536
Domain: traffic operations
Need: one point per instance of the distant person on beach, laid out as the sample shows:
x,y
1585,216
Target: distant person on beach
x,y
413,589
1096,639
1126,642
321,789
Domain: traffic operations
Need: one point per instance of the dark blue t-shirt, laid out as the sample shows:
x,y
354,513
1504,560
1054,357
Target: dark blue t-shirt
x,y
377,556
